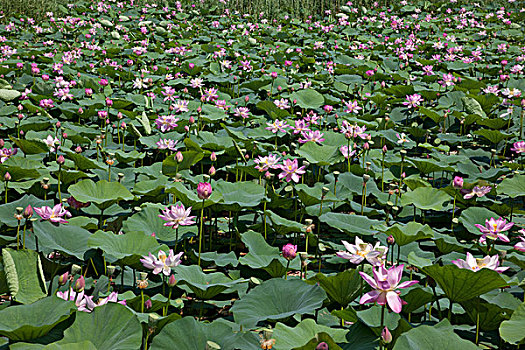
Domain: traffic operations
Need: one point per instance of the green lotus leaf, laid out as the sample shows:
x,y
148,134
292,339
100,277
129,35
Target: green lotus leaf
x,y
463,284
128,157
353,224
24,274
7,210
220,259
111,326
190,199
277,299
102,193
512,186
190,334
67,239
239,195
343,287
426,198
170,165
493,308
320,154
494,136
475,215
9,95
125,249
312,195
29,146
411,232
205,286
438,337
308,98
281,225
31,321
294,337
512,330
372,318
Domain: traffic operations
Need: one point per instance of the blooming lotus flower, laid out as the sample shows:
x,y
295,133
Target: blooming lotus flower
x,y
521,245
493,229
51,142
315,136
87,304
55,214
385,283
352,107
166,122
477,191
5,153
519,147
177,215
277,125
413,101
360,250
291,170
402,138
163,263
71,295
475,264
167,144
344,151
266,163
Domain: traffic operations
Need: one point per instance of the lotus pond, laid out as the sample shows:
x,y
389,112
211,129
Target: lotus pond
x,y
187,177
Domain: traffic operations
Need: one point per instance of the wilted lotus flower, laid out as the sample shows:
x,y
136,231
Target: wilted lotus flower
x,y
289,251
493,229
55,214
87,304
72,296
204,190
177,215
475,264
163,263
360,250
476,191
384,284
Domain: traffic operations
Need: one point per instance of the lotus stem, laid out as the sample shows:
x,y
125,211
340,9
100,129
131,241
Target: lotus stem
x,y
383,173
201,233
24,242
6,187
286,271
18,236
382,323
477,321
59,193
453,210
142,302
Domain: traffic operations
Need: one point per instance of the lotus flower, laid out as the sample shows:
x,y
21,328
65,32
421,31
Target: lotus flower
x,y
518,147
476,191
289,251
55,214
476,264
177,215
204,190
163,263
267,162
87,305
493,229
521,245
360,250
291,170
385,283
71,295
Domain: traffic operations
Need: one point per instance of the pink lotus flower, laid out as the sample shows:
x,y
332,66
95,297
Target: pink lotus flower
x,y
477,191
204,190
493,229
344,151
289,251
519,147
177,215
277,125
266,163
385,283
164,263
475,264
521,245
315,136
55,214
413,101
360,250
457,182
87,305
291,170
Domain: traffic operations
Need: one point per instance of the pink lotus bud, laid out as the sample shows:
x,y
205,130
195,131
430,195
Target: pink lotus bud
x,y
179,156
64,135
109,102
172,281
204,190
7,176
58,124
213,157
385,149
212,171
391,240
79,284
328,108
386,336
268,175
28,212
322,346
504,62
366,146
61,160
246,99
457,182
192,120
289,251
80,111
78,149
148,304
294,102
273,75
20,107
2,143
62,280
119,115
186,128
89,91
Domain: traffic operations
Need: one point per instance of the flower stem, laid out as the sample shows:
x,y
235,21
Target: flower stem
x,y
286,272
201,233
18,235
59,172
142,298
477,321
382,323
24,243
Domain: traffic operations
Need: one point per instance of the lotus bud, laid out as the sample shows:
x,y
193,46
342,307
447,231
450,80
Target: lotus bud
x,y
79,284
212,171
322,346
213,157
457,182
289,251
246,99
61,160
172,281
192,120
7,176
391,240
111,270
62,280
28,212
179,157
386,336
75,269
2,143
78,149
385,149
366,146
204,190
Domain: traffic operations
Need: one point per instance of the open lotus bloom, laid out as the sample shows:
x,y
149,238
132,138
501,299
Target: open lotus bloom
x,y
164,263
87,304
359,251
384,285
493,229
475,264
55,214
521,245
176,216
